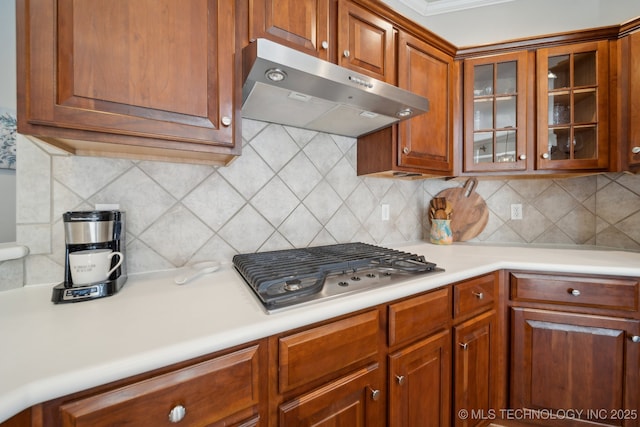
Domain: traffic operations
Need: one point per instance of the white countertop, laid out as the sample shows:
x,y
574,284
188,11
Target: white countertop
x,y
52,350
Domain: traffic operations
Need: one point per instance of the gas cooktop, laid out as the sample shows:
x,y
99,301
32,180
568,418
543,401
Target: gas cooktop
x,y
291,277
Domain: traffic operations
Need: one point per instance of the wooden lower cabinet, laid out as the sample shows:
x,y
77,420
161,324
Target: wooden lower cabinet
x,y
224,390
452,365
351,401
475,370
580,362
420,383
329,374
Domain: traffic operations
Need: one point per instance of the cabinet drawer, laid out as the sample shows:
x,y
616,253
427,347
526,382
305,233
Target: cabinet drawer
x,y
416,317
225,388
473,295
600,292
321,351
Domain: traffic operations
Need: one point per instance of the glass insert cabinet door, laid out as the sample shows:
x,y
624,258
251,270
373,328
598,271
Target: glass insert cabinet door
x,y
495,113
572,100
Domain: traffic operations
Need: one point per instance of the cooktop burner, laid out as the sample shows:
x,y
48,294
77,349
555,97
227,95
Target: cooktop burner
x,y
295,276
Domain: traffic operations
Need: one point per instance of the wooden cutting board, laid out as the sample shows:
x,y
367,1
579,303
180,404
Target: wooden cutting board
x,y
470,213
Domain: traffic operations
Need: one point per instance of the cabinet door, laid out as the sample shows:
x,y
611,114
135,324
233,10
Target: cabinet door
x,y
419,383
355,400
366,42
582,362
144,73
633,149
495,113
475,370
573,106
425,142
301,24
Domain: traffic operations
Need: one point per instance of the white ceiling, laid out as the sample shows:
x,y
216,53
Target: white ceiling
x,y
477,22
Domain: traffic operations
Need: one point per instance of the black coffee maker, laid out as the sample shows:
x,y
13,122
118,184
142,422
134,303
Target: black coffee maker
x,y
85,230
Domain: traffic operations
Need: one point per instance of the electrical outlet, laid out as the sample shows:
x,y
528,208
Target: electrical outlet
x,y
516,211
385,212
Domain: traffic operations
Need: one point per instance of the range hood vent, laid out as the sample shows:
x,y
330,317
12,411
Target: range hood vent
x,y
285,86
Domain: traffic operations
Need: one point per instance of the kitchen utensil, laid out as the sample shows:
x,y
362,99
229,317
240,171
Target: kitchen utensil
x,y
194,271
470,213
439,209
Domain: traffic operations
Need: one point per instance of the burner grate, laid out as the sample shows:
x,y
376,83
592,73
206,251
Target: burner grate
x,y
280,277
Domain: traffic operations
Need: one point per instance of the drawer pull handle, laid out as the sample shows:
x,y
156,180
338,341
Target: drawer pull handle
x,y
478,295
575,292
635,150
400,379
464,345
635,338
375,394
177,413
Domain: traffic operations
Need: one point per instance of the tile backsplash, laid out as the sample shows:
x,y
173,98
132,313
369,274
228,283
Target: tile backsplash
x,y
290,188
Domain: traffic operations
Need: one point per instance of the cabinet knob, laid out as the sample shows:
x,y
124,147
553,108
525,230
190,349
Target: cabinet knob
x,y
545,155
635,338
346,53
406,150
478,295
324,44
375,394
522,157
464,345
177,413
635,150
226,121
400,379
574,292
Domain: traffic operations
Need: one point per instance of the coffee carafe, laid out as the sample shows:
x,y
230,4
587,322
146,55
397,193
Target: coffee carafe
x,y
92,231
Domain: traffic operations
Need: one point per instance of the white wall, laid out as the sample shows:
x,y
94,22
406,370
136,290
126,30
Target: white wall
x,y
7,103
516,19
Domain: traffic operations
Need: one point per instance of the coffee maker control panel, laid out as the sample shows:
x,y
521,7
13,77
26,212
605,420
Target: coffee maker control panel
x,y
82,292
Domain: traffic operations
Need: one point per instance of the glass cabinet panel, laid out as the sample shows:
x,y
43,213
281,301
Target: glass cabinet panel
x,y
506,78
572,106
483,147
495,113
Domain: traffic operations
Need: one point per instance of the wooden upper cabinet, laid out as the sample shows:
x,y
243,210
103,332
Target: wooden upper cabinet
x,y
629,93
366,42
573,107
423,145
425,142
495,113
143,78
301,24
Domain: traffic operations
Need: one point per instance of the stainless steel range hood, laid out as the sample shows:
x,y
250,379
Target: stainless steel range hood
x,y
282,85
